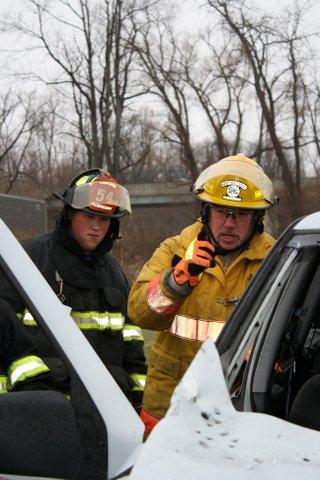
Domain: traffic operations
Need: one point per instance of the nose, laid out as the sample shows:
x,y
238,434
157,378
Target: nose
x,y
230,220
95,223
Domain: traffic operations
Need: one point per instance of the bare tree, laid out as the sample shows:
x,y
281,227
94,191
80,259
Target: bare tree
x,y
312,96
162,60
91,43
20,116
52,155
220,92
261,42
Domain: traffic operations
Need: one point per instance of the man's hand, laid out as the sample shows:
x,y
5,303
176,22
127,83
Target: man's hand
x,y
189,270
202,257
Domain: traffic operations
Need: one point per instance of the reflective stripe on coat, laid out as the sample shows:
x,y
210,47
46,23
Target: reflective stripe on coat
x,y
102,321
184,323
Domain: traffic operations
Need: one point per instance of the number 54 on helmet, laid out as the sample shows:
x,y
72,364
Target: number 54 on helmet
x,y
97,192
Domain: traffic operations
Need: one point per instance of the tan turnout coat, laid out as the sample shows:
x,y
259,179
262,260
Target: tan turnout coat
x,y
200,314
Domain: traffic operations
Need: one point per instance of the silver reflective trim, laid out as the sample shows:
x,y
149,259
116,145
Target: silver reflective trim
x,y
25,368
102,321
27,315
158,302
140,382
131,332
195,329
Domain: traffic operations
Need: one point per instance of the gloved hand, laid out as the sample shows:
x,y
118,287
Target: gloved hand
x,y
189,270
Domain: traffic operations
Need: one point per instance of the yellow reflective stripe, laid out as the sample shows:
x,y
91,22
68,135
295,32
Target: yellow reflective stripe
x,y
131,332
3,384
98,320
86,320
194,328
27,318
82,180
189,252
139,380
25,368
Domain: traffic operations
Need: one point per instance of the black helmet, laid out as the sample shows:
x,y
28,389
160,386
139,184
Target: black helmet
x,y
97,192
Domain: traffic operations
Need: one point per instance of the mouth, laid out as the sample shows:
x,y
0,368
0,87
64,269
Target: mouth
x,y
228,237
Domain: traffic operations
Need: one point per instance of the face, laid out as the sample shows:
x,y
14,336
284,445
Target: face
x,y
88,230
230,230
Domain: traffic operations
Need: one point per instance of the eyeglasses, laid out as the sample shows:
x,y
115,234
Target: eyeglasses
x,y
237,214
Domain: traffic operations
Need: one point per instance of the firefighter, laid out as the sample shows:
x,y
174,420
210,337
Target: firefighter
x,y
20,366
74,258
191,284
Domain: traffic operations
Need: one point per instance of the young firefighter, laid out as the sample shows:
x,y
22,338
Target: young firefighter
x,y
189,287
75,259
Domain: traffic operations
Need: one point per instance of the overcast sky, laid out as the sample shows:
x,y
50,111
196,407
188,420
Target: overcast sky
x,y
191,17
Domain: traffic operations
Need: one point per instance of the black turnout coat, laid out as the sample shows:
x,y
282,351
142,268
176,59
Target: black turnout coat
x,y
92,286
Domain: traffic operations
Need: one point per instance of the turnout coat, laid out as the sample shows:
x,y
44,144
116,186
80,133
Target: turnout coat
x,y
184,322
96,289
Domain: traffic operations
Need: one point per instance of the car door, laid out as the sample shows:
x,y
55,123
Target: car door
x,y
263,348
90,434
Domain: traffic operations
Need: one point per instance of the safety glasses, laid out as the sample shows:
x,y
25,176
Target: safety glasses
x,y
240,215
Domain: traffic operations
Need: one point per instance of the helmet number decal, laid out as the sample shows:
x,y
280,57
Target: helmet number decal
x,y
233,190
103,196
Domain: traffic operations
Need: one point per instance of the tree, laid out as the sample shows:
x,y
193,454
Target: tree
x,y
20,116
161,61
278,86
220,92
91,42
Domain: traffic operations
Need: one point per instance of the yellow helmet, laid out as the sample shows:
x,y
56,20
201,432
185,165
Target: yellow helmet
x,y
236,181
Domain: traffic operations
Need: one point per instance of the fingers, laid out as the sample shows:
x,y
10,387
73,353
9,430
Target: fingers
x,y
183,275
203,253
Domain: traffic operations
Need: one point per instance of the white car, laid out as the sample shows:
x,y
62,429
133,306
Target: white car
x,y
248,407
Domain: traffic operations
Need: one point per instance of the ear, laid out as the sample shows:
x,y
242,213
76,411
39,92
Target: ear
x,y
69,214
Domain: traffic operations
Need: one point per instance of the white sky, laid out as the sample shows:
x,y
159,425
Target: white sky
x,y
191,18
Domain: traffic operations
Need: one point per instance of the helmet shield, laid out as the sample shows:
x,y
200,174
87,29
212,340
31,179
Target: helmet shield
x,y
237,182
101,197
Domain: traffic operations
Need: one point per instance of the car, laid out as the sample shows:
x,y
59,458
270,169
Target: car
x,y
92,434
248,406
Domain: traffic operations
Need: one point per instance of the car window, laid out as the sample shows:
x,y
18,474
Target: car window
x,y
253,310
284,353
285,358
